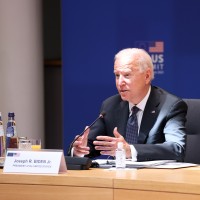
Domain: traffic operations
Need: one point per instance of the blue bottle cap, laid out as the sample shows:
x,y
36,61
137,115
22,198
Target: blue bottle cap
x,y
11,114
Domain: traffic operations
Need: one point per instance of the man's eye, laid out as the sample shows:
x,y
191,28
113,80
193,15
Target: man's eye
x,y
117,75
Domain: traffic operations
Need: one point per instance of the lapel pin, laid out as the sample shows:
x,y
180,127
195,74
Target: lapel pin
x,y
153,111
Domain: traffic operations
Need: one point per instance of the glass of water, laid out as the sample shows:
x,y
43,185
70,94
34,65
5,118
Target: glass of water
x,y
24,144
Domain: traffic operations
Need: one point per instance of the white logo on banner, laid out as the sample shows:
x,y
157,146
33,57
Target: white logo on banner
x,y
156,51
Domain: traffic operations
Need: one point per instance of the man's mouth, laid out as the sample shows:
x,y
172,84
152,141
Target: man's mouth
x,y
122,91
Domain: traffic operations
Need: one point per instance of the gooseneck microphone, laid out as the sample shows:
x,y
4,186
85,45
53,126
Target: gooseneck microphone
x,y
102,114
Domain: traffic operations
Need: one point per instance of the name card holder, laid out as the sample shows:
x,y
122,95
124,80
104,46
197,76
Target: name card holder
x,y
44,161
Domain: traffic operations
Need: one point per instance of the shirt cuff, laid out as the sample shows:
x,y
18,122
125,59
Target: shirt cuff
x,y
133,153
72,153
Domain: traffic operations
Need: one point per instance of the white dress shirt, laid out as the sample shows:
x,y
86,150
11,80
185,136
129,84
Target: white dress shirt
x,y
139,114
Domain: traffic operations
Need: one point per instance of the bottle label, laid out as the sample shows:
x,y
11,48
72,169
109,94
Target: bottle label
x,y
10,131
120,159
11,140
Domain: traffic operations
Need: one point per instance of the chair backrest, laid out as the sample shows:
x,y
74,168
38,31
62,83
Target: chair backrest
x,y
193,131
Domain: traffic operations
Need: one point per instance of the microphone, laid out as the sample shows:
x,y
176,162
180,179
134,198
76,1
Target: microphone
x,y
102,114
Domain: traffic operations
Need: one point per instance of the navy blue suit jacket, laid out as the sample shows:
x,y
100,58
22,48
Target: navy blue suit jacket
x,y
162,131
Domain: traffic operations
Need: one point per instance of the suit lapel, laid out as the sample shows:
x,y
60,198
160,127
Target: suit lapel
x,y
121,115
150,115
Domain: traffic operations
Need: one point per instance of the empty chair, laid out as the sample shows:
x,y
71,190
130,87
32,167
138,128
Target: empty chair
x,y
193,131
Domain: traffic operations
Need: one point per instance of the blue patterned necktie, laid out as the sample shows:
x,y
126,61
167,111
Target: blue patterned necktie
x,y
132,127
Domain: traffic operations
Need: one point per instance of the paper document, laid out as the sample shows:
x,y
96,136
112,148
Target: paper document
x,y
105,163
174,165
146,164
164,164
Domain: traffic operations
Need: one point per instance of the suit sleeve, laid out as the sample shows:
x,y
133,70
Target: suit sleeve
x,y
172,129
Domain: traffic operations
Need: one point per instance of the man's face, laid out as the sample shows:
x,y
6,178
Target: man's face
x,y
132,84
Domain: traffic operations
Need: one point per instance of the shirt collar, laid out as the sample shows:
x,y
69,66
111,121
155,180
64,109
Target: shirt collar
x,y
142,103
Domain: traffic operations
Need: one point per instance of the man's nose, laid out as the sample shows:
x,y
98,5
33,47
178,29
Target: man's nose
x,y
121,80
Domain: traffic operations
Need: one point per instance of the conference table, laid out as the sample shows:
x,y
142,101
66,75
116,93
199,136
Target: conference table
x,y
104,184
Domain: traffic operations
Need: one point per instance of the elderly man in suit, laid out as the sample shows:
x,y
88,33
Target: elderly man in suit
x,y
147,119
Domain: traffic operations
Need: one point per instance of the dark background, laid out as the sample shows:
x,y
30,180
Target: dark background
x,y
52,73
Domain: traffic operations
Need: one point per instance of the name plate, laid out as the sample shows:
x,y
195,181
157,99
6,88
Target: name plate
x,y
42,161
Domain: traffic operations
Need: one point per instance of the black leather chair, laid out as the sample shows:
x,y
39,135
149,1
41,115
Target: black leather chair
x,y
193,131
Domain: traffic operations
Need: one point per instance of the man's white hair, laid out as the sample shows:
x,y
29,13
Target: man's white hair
x,y
139,57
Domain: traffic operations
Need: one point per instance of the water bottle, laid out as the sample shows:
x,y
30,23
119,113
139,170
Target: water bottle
x,y
11,133
120,156
2,138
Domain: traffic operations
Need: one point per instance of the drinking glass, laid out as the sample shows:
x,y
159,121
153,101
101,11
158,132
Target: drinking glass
x,y
24,144
35,144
